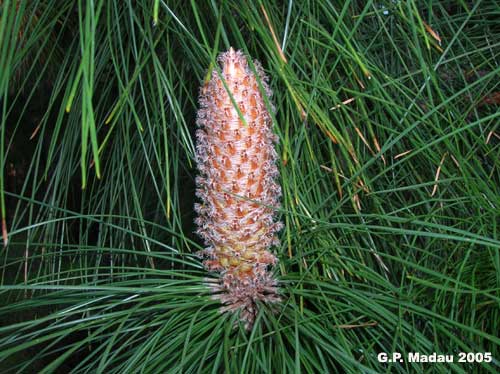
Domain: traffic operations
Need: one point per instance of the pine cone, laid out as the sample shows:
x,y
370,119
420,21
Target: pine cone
x,y
237,186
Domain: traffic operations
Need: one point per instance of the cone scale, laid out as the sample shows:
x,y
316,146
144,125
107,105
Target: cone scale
x,y
237,186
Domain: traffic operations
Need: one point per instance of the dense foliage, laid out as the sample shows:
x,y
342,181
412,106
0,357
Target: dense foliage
x,y
389,143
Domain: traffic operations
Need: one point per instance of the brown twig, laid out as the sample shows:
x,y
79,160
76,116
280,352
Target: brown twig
x,y
33,134
488,138
360,134
5,234
377,147
402,154
433,33
273,34
438,171
343,103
